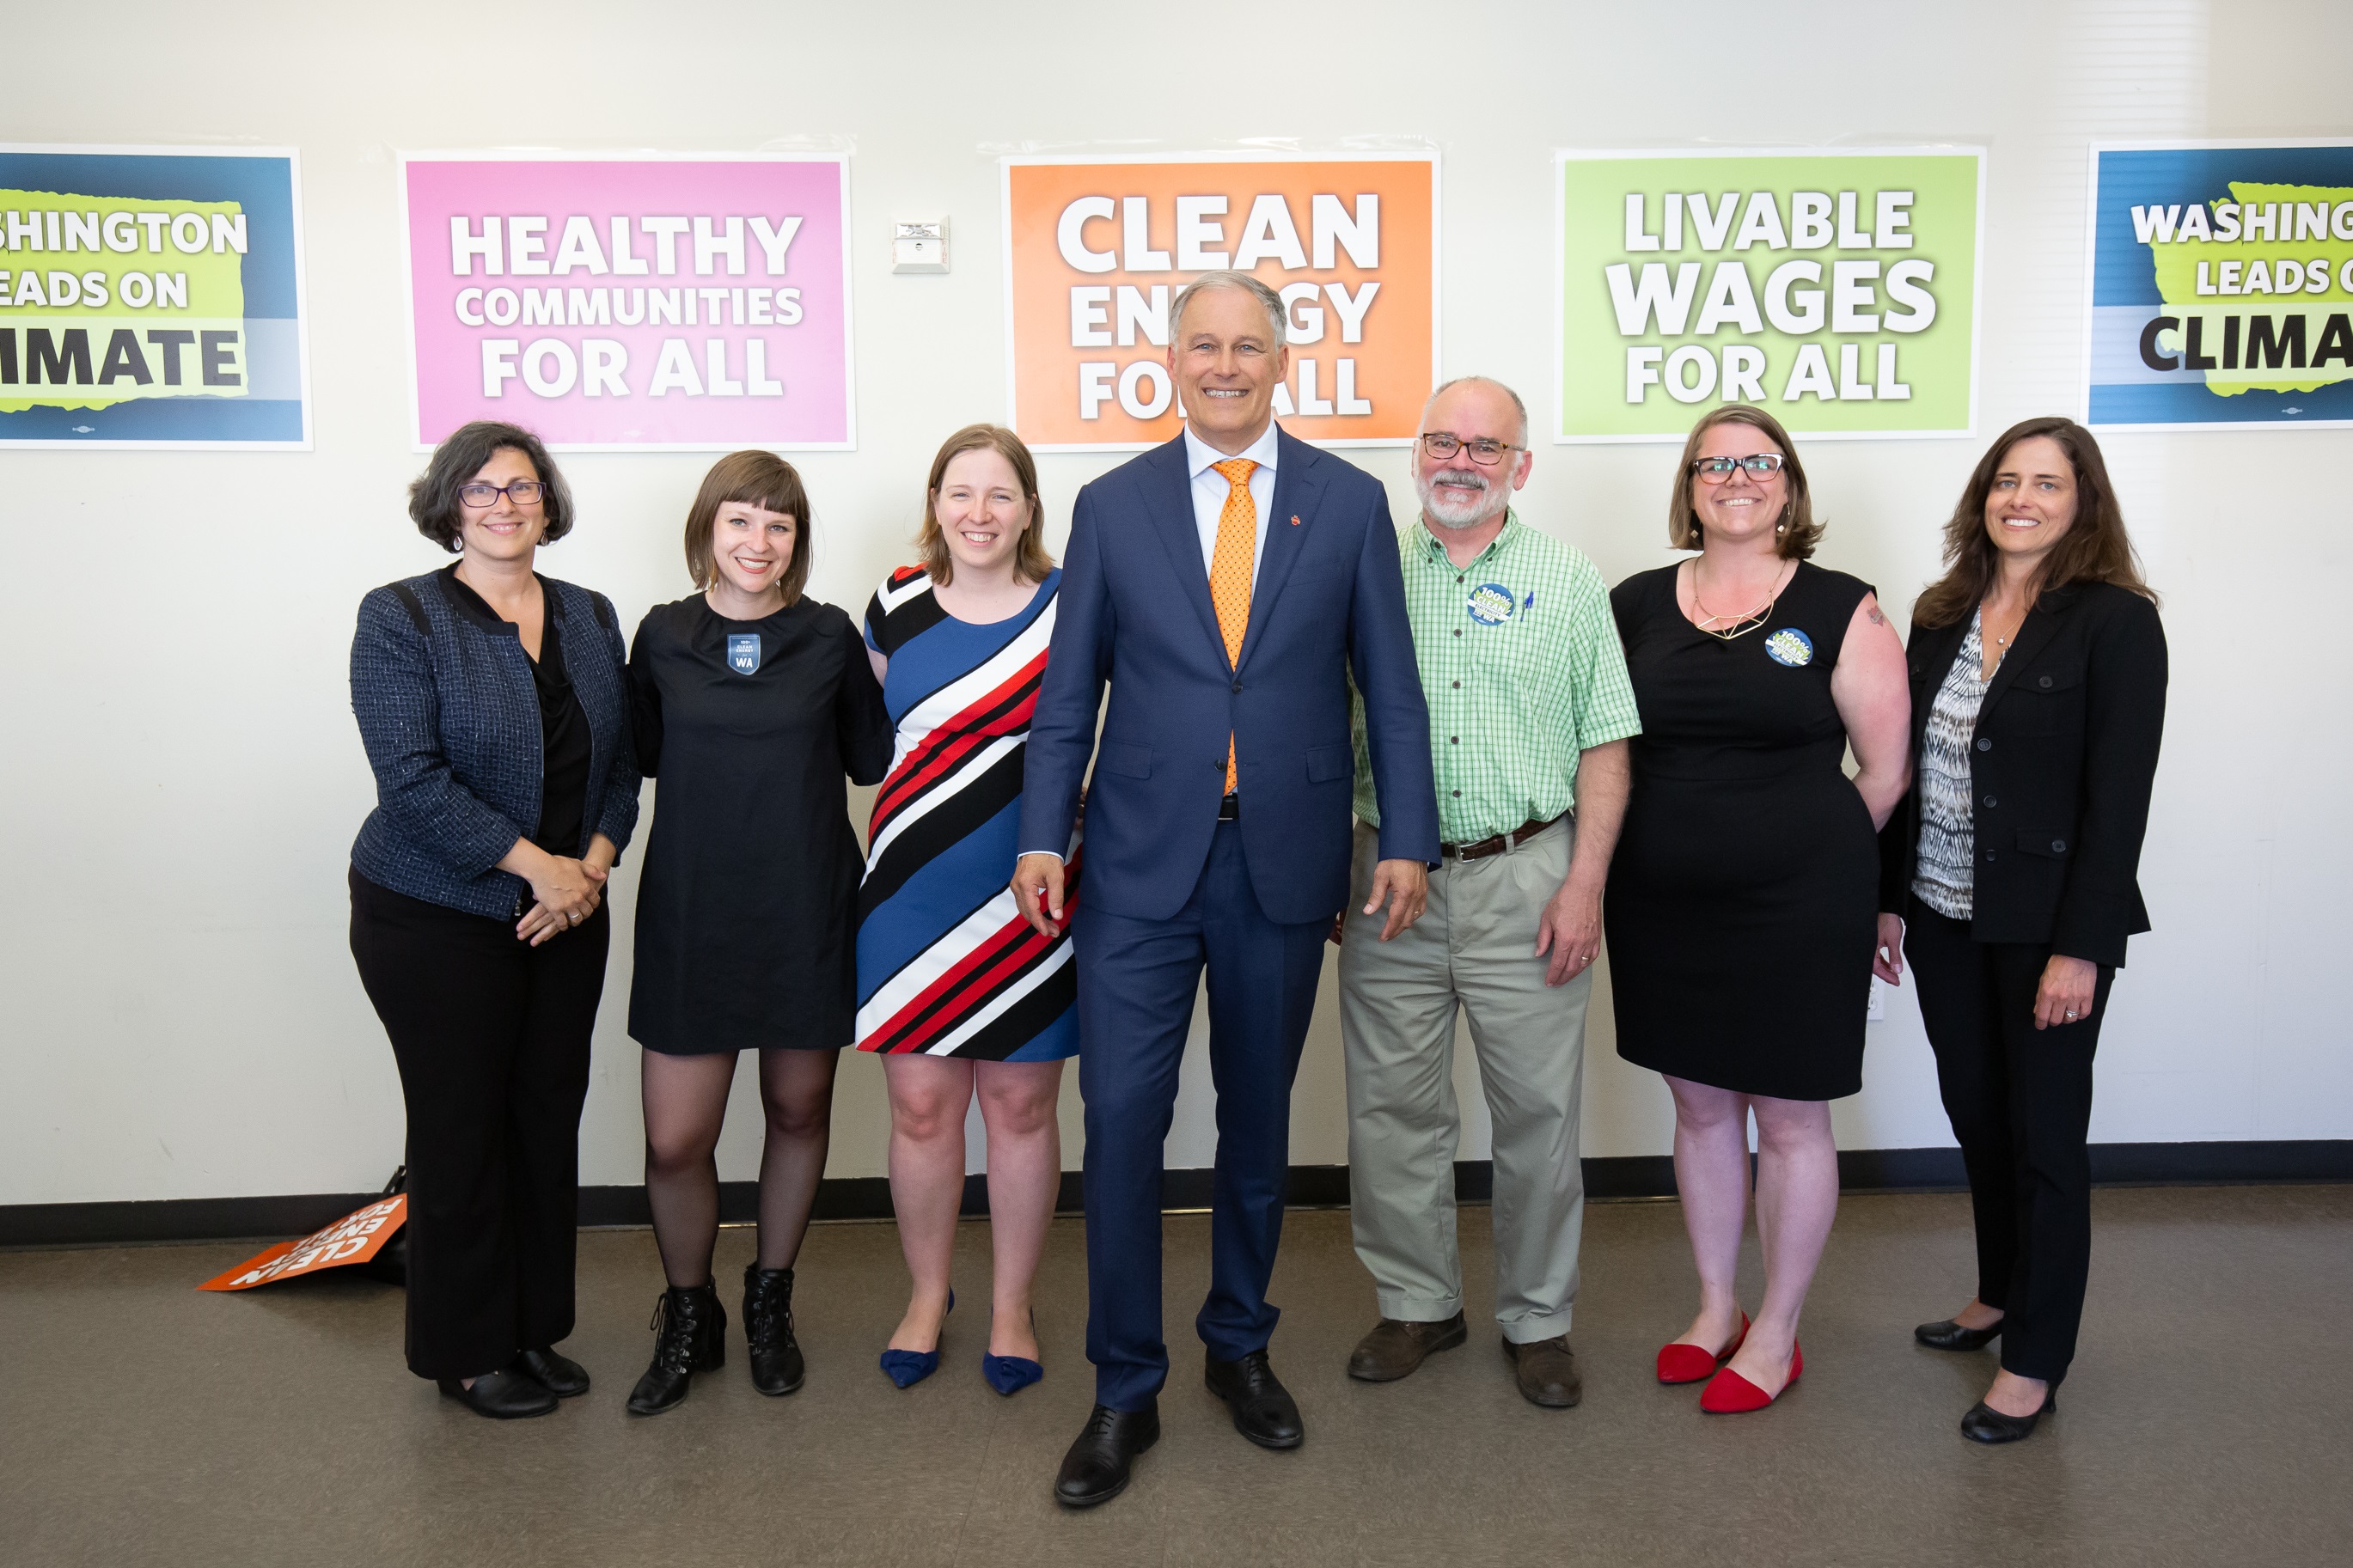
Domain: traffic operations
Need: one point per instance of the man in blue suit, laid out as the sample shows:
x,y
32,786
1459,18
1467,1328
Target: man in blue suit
x,y
1226,585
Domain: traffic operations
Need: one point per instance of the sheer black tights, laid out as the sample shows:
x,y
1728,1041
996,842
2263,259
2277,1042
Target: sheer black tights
x,y
686,1103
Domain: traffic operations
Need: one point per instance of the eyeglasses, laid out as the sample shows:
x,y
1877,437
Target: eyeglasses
x,y
1441,446
1758,466
523,493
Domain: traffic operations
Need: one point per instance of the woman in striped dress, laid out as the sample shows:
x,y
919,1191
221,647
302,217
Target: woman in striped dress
x,y
956,993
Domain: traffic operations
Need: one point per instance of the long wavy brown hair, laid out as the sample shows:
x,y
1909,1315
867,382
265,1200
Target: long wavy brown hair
x,y
2095,548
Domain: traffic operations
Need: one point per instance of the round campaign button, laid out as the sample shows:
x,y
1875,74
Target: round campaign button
x,y
1790,647
1491,604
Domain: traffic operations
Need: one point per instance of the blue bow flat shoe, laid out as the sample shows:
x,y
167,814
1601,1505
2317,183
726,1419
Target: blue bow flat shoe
x,y
1009,1375
908,1368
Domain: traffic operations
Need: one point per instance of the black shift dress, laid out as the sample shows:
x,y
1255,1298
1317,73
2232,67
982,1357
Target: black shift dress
x,y
1743,901
747,919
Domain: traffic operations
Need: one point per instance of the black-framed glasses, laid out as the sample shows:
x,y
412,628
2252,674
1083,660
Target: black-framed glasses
x,y
523,493
1758,466
1441,446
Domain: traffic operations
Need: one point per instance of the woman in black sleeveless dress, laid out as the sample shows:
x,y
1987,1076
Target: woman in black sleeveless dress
x,y
1742,908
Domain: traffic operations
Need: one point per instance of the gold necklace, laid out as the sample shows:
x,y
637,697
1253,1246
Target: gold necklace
x,y
1738,626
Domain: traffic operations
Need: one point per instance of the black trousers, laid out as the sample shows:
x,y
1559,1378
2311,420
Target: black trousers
x,y
2020,1103
491,1035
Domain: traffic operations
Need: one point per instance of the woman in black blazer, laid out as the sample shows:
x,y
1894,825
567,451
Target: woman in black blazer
x,y
2038,673
494,708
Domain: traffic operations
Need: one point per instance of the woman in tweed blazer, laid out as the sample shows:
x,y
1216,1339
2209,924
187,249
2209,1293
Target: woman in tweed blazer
x,y
492,704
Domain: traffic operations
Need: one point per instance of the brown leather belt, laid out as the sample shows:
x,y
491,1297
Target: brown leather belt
x,y
1499,843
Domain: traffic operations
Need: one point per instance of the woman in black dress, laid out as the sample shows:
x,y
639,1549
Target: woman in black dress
x,y
749,703
2038,671
1740,910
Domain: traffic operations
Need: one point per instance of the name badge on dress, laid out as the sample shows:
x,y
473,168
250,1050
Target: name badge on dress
x,y
1790,647
743,652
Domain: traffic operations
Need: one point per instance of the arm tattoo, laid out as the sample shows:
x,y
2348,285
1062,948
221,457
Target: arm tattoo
x,y
1877,619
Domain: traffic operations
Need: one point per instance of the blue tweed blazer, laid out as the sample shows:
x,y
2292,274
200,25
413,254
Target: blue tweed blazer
x,y
450,719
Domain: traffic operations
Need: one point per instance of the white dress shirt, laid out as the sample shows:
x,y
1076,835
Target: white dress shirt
x,y
1210,489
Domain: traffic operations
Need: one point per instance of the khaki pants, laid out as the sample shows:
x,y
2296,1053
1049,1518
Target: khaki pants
x,y
1474,949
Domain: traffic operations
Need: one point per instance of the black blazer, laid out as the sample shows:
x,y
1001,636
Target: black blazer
x,y
2060,771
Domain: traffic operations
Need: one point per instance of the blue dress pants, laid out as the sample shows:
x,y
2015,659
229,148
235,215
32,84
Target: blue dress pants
x,y
1137,981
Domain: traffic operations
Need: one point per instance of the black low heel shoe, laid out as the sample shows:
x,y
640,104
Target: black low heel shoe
x,y
1984,1424
1949,1335
500,1395
689,1336
777,1365
559,1374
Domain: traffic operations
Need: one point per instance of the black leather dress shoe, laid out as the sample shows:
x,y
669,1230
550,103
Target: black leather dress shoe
x,y
1984,1424
1263,1410
778,1367
503,1395
1949,1335
1097,1466
559,1374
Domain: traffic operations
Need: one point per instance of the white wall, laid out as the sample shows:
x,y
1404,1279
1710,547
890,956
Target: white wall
x,y
178,1013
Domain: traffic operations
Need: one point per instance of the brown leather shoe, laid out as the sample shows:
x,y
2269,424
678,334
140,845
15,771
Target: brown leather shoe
x,y
1546,1373
1395,1347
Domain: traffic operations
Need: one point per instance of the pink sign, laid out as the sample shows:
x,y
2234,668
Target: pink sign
x,y
654,303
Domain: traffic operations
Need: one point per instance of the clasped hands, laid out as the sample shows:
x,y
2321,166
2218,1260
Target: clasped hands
x,y
565,891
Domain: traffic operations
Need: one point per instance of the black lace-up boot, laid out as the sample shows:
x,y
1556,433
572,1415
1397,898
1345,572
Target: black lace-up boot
x,y
777,1365
689,1336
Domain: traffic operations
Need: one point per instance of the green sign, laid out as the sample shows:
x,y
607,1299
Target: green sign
x,y
1836,290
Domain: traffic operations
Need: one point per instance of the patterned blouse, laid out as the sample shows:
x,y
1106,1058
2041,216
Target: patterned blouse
x,y
1942,878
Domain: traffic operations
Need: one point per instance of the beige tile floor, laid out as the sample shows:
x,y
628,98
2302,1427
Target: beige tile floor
x,y
2210,1418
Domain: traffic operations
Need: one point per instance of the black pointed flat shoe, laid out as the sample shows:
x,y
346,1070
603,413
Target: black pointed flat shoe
x,y
1949,1335
1984,1424
503,1395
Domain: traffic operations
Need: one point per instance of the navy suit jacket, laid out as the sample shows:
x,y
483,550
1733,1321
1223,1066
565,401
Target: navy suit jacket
x,y
1135,613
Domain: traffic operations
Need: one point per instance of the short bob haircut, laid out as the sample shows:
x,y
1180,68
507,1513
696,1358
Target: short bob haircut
x,y
2095,549
1030,561
750,478
433,503
1798,532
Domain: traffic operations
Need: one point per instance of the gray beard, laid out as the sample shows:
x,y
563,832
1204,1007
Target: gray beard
x,y
1456,507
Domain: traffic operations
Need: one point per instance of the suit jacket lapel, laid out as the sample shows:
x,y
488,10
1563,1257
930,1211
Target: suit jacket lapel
x,y
2040,625
1171,506
1296,488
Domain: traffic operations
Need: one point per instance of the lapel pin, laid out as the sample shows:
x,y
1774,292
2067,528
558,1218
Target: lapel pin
x,y
1294,520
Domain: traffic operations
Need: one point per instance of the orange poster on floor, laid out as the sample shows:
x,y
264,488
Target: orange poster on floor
x,y
354,1238
1097,247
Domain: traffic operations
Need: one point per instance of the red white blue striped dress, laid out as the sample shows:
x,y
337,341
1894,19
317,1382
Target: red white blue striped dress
x,y
945,963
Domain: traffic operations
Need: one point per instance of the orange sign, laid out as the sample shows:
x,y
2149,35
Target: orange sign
x,y
1096,247
354,1238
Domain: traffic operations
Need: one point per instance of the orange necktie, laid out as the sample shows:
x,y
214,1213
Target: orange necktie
x,y
1229,569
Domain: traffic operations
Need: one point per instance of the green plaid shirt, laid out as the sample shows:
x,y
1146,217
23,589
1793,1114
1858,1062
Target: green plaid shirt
x,y
1522,668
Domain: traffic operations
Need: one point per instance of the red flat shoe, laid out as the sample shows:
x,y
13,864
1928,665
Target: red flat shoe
x,y
1729,1393
1681,1363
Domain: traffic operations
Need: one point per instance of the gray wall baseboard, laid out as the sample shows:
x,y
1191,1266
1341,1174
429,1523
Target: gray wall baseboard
x,y
1312,1186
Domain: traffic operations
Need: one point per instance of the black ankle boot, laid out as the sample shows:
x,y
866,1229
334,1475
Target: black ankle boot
x,y
689,1336
777,1365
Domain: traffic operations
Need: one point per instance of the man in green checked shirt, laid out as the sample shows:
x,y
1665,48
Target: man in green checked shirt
x,y
1529,712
